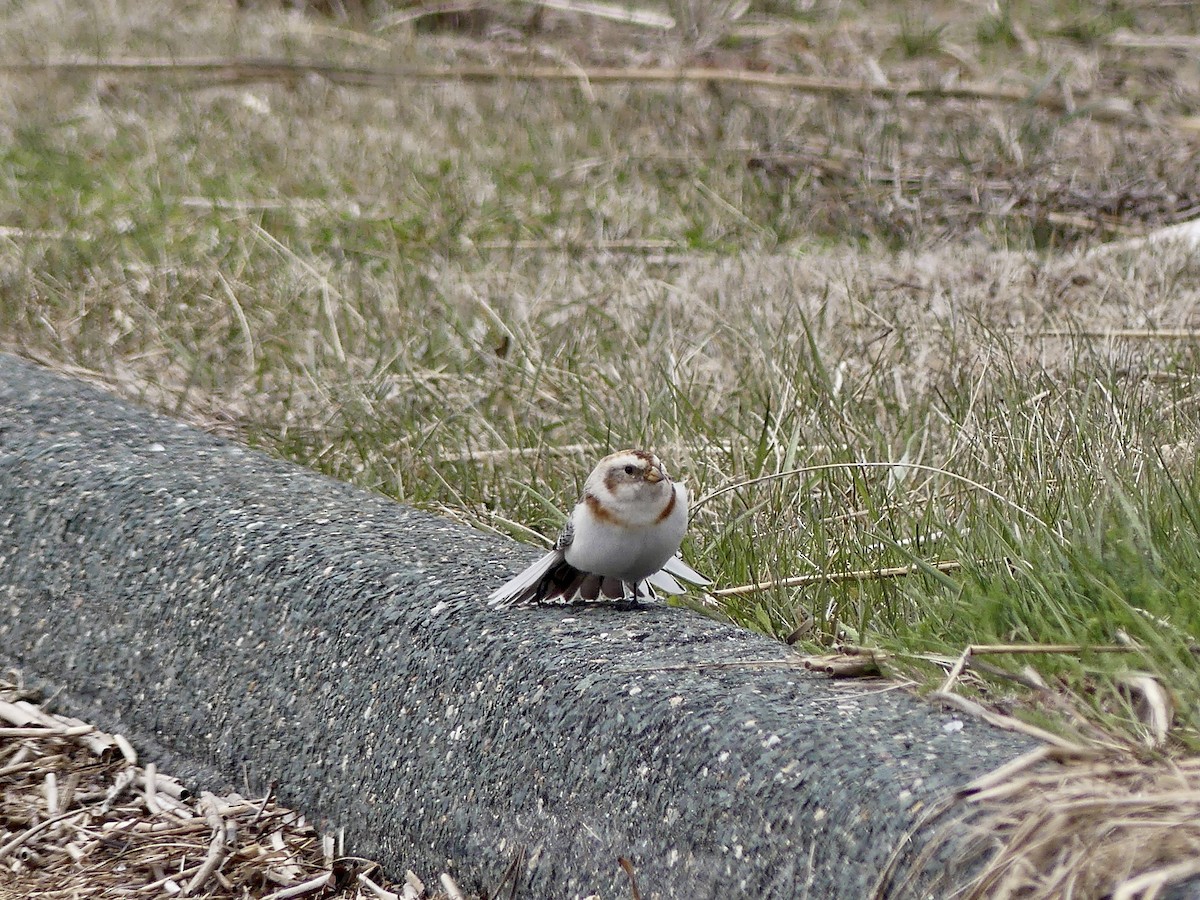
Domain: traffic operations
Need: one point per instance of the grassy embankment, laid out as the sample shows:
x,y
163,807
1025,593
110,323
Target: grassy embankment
x,y
460,293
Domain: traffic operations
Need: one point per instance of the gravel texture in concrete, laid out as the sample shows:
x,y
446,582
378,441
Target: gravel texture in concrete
x,y
238,615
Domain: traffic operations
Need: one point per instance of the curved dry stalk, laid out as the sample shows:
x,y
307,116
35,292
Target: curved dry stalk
x,y
920,467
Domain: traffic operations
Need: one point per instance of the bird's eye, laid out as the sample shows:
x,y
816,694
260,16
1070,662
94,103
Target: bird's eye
x,y
629,470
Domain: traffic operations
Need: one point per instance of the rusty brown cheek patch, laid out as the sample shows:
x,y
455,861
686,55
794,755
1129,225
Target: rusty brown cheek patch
x,y
599,510
662,516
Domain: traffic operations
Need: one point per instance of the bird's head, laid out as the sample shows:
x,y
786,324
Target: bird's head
x,y
631,485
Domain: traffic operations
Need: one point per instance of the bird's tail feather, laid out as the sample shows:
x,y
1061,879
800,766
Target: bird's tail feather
x,y
524,587
552,579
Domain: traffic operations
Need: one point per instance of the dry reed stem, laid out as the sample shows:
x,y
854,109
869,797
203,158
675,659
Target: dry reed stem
x,y
506,454
964,658
245,69
299,890
1150,883
833,577
1149,334
1154,41
847,665
376,890
625,14
450,887
874,464
218,844
1008,723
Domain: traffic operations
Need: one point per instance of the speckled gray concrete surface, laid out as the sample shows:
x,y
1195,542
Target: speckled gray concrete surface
x,y
242,616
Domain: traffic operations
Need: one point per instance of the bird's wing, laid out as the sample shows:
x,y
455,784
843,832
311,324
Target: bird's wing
x,y
662,581
677,567
524,586
565,537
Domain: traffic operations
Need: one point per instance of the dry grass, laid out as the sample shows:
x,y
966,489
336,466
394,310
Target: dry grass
x,y
1082,825
1111,829
81,819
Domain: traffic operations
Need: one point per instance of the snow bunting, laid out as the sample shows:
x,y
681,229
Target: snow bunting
x,y
621,540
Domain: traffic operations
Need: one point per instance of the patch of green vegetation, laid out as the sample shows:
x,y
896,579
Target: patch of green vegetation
x,y
1089,23
998,27
920,37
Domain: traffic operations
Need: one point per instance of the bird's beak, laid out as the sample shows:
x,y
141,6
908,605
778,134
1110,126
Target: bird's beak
x,y
655,475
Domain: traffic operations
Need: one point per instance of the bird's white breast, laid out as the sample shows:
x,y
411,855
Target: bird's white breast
x,y
621,551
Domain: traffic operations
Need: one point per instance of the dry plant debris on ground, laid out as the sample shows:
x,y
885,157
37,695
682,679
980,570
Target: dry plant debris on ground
x,y
1102,818
1111,826
81,819
1073,823
1069,819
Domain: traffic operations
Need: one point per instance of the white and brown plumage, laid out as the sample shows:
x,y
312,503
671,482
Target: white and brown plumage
x,y
620,540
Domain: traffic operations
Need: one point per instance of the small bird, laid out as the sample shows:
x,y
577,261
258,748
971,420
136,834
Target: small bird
x,y
621,540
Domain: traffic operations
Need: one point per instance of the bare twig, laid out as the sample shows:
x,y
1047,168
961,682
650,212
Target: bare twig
x,y
970,707
375,889
627,866
1150,334
450,887
299,890
872,464
25,836
622,13
964,658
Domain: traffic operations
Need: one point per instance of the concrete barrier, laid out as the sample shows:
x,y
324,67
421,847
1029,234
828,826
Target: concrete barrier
x,y
239,616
